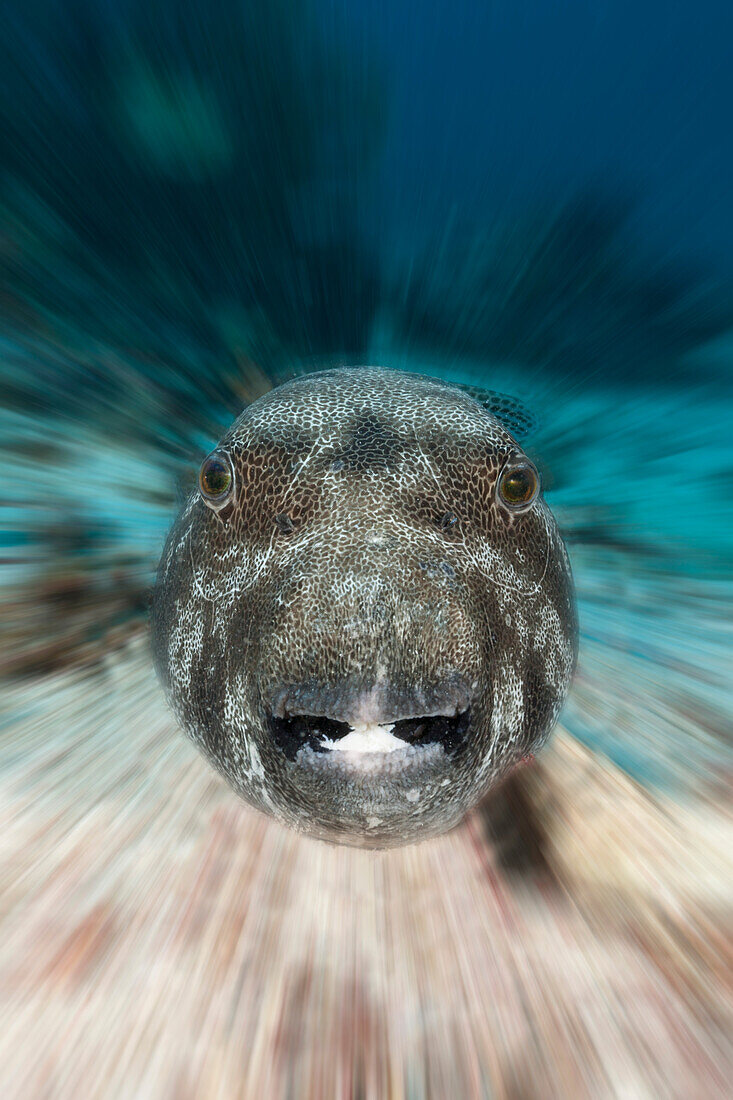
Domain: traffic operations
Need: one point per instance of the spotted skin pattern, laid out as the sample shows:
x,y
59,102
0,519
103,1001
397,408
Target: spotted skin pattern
x,y
365,555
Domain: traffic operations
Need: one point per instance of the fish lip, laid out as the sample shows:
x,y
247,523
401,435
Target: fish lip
x,y
381,703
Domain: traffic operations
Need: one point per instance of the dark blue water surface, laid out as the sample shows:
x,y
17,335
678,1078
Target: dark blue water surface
x,y
499,103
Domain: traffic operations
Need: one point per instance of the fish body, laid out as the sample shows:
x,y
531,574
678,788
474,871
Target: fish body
x,y
365,615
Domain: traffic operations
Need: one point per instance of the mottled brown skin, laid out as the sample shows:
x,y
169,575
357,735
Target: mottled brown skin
x,y
365,564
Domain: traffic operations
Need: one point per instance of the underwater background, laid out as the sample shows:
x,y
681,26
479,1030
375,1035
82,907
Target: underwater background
x,y
198,201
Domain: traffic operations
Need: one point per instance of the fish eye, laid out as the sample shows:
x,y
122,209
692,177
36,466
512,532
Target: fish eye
x,y
216,479
519,485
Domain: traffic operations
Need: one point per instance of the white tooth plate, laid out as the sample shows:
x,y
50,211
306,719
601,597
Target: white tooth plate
x,y
368,738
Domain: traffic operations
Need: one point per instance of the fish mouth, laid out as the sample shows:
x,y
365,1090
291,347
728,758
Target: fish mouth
x,y
367,734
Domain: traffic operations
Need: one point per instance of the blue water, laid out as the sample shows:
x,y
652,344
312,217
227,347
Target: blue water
x,y
198,201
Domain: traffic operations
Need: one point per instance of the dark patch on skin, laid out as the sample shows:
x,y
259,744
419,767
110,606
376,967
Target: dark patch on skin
x,y
370,604
439,570
370,445
225,514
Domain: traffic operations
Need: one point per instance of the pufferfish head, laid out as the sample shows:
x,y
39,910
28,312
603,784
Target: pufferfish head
x,y
364,614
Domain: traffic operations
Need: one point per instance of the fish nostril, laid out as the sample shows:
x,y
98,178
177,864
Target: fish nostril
x,y
297,731
437,570
446,730
284,522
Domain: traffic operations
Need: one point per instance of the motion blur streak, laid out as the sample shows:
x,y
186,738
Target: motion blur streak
x,y
198,201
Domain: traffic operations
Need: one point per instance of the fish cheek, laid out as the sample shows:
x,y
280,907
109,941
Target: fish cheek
x,y
174,612
214,697
195,586
218,558
512,563
547,639
541,703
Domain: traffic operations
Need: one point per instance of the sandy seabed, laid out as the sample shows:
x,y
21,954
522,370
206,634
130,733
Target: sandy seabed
x,y
160,939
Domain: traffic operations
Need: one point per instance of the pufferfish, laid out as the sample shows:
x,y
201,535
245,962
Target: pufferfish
x,y
364,615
